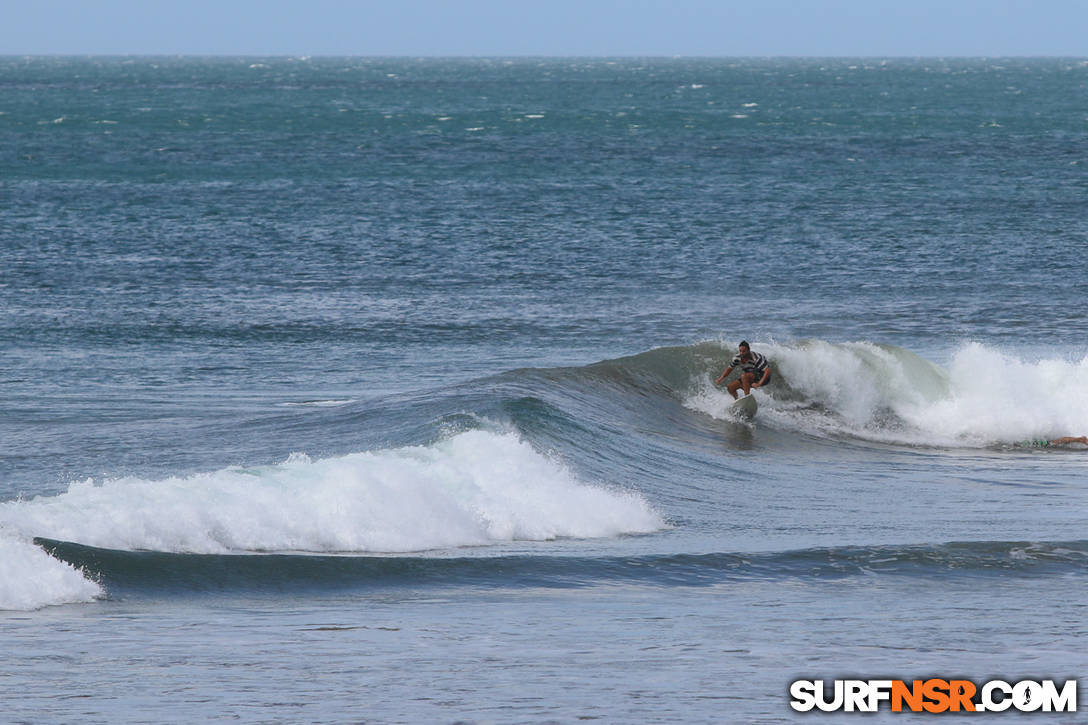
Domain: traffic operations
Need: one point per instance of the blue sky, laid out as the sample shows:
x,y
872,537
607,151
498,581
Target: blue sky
x,y
547,27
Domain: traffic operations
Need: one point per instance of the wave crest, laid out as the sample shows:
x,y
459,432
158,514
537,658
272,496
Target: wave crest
x,y
475,488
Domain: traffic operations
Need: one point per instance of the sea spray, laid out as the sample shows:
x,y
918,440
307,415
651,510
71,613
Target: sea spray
x,y
999,397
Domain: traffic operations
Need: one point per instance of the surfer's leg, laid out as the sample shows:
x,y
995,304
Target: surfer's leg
x,y
746,380
732,388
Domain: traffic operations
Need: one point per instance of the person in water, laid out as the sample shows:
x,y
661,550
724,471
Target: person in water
x,y
1064,441
755,373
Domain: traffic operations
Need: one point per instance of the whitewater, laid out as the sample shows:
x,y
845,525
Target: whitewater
x,y
476,488
482,483
983,396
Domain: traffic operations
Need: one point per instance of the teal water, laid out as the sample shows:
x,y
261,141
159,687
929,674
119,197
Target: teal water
x,y
350,390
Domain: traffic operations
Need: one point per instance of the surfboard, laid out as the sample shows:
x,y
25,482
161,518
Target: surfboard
x,y
744,408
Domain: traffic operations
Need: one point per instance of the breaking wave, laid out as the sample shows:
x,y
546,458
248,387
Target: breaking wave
x,y
473,489
983,397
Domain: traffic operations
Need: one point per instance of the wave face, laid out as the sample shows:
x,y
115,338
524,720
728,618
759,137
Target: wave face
x,y
473,489
517,457
984,397
152,571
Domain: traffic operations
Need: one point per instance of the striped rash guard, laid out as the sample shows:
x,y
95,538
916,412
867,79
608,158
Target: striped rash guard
x,y
757,364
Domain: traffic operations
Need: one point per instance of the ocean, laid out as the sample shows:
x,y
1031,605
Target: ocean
x,y
352,390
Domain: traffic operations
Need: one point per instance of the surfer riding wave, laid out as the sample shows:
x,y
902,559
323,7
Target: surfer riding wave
x,y
755,372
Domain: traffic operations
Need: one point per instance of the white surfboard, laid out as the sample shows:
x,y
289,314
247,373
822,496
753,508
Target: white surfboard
x,y
745,407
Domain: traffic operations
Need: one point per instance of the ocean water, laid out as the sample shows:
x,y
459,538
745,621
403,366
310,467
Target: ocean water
x,y
342,390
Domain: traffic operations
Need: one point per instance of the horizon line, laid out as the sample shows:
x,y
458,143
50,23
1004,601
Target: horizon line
x,y
536,56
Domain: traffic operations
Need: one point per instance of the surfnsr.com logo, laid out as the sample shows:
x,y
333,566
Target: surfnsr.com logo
x,y
933,695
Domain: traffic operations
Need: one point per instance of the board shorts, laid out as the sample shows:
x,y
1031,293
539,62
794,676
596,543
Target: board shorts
x,y
770,376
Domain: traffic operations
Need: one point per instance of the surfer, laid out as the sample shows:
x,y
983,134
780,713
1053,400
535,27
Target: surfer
x,y
1064,441
754,371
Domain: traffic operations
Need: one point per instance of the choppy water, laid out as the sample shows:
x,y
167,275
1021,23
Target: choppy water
x,y
350,390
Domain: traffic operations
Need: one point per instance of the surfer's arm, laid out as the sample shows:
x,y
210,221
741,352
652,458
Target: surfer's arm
x,y
763,378
724,375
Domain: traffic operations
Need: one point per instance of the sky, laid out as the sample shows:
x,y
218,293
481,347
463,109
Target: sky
x,y
547,27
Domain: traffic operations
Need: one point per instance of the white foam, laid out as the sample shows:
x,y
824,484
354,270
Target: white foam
x,y
475,488
999,397
880,392
31,579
